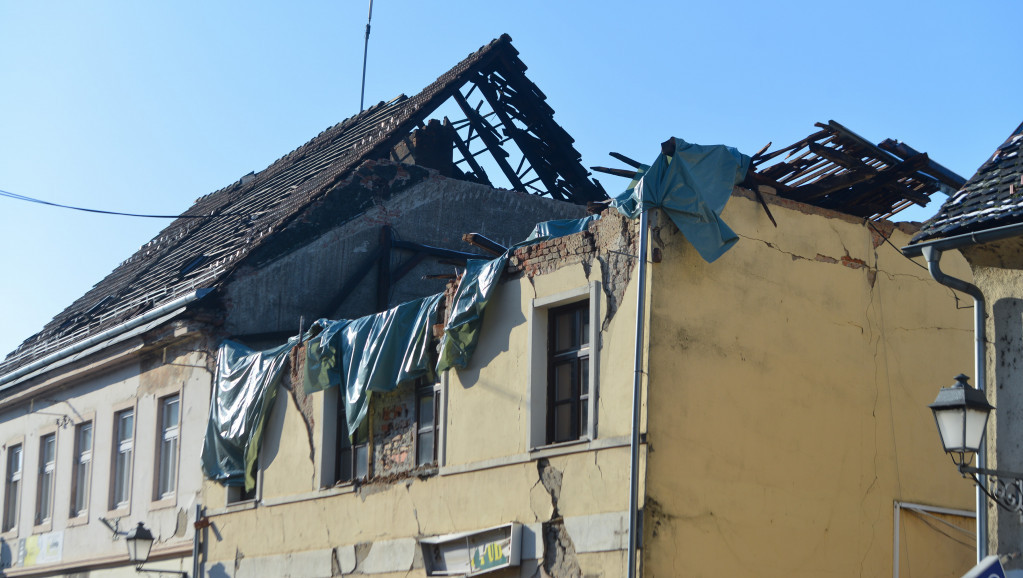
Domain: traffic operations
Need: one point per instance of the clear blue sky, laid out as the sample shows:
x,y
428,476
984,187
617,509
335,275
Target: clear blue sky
x,y
145,106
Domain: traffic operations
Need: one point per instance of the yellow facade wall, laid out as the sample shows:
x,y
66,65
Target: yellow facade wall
x,y
789,383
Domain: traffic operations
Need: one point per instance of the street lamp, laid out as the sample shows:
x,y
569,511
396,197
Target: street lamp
x,y
140,541
961,413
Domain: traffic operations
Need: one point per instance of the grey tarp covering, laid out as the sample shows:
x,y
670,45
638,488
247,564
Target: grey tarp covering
x,y
372,353
692,187
462,330
244,391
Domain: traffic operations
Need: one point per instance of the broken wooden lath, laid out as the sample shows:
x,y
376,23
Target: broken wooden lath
x,y
837,169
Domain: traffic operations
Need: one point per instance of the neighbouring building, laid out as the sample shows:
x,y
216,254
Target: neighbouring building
x,y
104,411
983,221
783,424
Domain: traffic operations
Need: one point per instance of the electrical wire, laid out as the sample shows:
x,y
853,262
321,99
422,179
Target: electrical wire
x,y
18,197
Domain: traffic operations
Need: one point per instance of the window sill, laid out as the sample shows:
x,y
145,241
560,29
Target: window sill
x,y
559,445
119,512
240,506
9,535
164,503
42,528
79,520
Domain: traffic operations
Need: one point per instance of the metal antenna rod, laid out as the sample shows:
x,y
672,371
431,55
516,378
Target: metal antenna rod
x,y
365,50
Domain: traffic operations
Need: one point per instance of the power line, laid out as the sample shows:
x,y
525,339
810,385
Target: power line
x,y
18,197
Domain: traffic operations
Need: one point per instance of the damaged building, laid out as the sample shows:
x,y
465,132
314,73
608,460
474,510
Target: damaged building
x,y
782,367
103,412
391,367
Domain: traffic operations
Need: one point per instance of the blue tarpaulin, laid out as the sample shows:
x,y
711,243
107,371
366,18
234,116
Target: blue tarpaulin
x,y
692,187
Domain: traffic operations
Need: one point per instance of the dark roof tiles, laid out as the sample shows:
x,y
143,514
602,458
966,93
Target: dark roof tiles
x,y
992,197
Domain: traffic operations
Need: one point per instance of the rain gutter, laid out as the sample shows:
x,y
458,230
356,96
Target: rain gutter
x,y
7,380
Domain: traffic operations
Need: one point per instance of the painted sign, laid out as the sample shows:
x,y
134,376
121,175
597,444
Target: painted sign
x,y
41,549
472,553
490,555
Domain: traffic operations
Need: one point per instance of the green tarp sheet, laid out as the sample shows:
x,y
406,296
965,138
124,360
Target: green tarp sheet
x,y
245,388
692,187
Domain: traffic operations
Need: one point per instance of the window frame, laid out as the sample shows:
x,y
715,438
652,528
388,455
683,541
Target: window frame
x,y
77,514
46,484
576,356
539,363
8,526
346,450
166,497
121,508
432,390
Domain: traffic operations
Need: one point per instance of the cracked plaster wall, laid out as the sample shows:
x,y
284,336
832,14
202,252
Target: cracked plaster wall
x,y
787,401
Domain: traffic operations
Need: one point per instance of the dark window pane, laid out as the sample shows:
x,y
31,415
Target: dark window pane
x,y
426,411
425,449
563,423
563,381
344,465
563,338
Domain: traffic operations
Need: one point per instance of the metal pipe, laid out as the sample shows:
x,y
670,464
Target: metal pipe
x,y
932,253
195,541
5,381
976,238
637,398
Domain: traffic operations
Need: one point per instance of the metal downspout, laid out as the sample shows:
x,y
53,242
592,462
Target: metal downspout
x,y
195,541
636,398
933,256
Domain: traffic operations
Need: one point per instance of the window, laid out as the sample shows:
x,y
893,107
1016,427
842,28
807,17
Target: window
x,y
167,473
81,473
12,488
427,402
353,451
44,491
568,380
124,430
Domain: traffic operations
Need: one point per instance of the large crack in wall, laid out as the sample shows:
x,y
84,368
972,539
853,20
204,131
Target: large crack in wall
x,y
559,556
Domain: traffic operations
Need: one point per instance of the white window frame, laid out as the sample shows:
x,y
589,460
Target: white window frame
x,y
82,457
538,334
45,481
166,433
117,447
11,477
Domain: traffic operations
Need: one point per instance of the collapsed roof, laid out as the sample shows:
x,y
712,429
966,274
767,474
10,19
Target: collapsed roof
x,y
834,168
511,123
991,198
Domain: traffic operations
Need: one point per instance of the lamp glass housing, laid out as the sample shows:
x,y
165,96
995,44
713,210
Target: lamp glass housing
x,y
962,430
961,413
140,542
